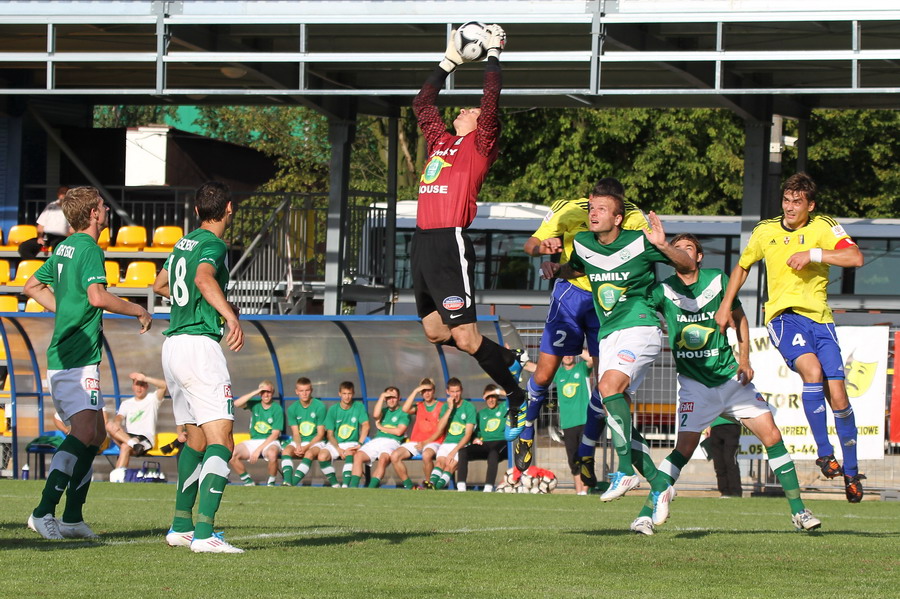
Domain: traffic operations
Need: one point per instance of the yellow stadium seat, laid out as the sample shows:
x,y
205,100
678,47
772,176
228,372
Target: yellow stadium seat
x,y
4,272
33,306
139,274
9,303
25,269
112,273
103,240
18,234
165,238
129,239
163,439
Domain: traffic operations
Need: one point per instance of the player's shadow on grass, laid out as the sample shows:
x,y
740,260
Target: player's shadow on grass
x,y
33,541
700,534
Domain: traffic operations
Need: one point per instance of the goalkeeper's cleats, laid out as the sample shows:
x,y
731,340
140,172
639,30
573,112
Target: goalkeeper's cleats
x,y
521,358
515,422
829,465
853,488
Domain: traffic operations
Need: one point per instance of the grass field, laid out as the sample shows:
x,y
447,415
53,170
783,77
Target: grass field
x,y
317,542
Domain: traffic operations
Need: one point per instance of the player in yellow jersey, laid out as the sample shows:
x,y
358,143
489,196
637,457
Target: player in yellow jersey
x,y
798,248
571,319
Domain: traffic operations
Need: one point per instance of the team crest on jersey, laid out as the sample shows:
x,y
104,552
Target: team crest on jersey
x,y
608,295
686,406
626,356
625,255
694,336
453,302
433,169
708,294
787,240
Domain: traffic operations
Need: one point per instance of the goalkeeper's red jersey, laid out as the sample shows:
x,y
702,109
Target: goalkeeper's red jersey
x,y
457,165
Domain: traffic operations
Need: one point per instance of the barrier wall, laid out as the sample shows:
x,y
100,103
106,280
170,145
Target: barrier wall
x,y
371,351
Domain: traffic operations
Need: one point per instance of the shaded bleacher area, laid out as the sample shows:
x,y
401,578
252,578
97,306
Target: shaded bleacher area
x,y
132,262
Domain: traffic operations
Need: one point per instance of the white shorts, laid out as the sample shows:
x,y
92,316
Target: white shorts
x,y
334,453
376,447
253,444
411,447
75,389
699,405
446,448
198,380
319,445
631,352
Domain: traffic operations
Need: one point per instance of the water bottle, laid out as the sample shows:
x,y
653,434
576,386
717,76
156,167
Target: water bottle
x,y
25,471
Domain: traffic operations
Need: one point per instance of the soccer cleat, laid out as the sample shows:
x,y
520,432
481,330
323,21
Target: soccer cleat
x,y
619,484
586,471
523,455
249,483
427,484
853,487
642,525
521,358
179,539
286,483
829,465
214,544
271,483
805,520
515,422
46,526
661,501
78,530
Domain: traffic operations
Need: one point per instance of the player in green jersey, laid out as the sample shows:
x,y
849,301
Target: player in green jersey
x,y
306,419
620,267
712,383
346,424
391,422
573,392
266,425
72,283
194,277
489,441
459,424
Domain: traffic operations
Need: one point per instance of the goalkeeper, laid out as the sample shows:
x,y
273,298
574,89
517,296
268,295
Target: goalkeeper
x,y
443,257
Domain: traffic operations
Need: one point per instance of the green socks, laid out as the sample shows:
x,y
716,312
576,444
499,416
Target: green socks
x,y
618,419
213,478
783,466
189,461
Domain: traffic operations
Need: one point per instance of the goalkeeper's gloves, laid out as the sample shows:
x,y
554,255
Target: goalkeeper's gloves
x,y
496,40
451,59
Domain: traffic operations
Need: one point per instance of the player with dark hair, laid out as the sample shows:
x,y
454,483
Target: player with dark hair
x,y
712,383
571,319
194,277
72,283
442,255
798,248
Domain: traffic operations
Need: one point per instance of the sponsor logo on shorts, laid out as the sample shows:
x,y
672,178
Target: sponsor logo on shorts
x,y
453,302
92,384
228,394
686,406
759,397
626,356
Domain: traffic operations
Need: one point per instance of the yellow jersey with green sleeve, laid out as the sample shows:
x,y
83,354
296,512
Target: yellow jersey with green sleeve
x,y
567,218
191,314
803,291
76,264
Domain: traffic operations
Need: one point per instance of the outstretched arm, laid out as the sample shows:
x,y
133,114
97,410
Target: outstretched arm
x,y
724,317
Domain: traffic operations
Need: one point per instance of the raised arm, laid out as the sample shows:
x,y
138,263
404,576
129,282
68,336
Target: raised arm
x,y
724,317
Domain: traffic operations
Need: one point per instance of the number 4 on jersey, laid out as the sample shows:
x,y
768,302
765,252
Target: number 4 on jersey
x,y
798,340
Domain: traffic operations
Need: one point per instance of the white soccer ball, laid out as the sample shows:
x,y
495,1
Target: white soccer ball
x,y
527,481
471,41
535,490
521,489
507,489
510,478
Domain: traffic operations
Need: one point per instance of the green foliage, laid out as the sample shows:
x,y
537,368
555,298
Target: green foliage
x,y
671,160
131,115
853,156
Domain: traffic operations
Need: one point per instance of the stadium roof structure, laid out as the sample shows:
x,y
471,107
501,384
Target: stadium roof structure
x,y
565,53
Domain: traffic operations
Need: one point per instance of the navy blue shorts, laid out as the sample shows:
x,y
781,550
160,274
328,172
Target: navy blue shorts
x,y
570,320
795,335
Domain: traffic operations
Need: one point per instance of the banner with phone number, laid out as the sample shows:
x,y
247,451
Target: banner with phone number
x,y
865,354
